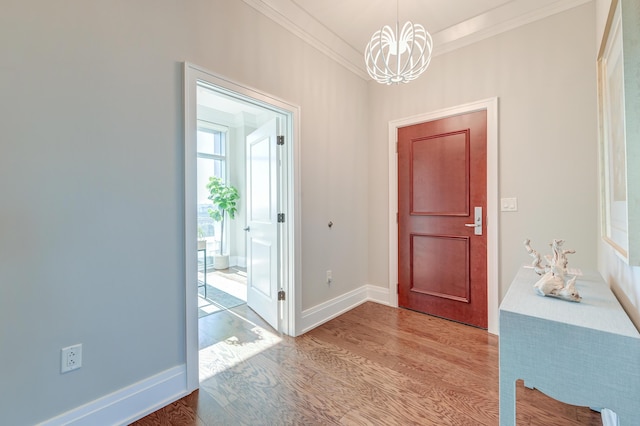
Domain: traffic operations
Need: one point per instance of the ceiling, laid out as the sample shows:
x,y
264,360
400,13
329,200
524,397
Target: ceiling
x,y
342,28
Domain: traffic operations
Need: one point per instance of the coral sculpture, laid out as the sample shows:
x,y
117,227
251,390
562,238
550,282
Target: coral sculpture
x,y
555,280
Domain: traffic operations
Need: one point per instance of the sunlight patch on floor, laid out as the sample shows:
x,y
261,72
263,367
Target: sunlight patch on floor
x,y
209,309
233,350
231,283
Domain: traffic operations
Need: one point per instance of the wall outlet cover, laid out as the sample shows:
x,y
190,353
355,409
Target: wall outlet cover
x,y
71,358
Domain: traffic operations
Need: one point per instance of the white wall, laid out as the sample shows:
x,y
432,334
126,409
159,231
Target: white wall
x,y
544,76
91,177
623,279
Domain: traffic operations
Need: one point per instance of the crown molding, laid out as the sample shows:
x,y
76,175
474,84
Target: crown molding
x,y
502,19
496,21
305,26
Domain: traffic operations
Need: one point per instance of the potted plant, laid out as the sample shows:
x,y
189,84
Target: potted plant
x,y
225,199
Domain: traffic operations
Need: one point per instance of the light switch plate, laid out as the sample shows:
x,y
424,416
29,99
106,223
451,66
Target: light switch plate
x,y
509,204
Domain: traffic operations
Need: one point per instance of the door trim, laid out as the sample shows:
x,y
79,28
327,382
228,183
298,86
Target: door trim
x,y
290,246
491,106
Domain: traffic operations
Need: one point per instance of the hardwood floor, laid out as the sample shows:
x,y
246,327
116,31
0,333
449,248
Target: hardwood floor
x,y
374,365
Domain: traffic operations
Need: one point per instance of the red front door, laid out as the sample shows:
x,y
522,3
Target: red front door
x,y
442,263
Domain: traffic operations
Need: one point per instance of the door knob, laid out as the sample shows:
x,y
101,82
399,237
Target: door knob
x,y
247,229
477,225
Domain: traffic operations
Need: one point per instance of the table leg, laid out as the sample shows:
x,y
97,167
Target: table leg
x,y
507,402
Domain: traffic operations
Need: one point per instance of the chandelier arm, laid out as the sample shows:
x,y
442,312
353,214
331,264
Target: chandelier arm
x,y
421,61
386,41
408,51
382,37
373,53
398,53
408,28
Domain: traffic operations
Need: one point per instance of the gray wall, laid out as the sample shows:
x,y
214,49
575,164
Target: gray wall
x,y
91,182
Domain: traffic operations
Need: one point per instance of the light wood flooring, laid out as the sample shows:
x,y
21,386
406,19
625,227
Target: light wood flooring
x,y
374,365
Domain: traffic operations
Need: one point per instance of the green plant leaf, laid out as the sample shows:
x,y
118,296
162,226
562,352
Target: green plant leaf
x,y
224,199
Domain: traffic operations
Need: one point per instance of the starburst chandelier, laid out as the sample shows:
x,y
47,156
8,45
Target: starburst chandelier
x,y
400,56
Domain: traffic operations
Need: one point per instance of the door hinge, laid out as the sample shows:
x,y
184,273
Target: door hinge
x,y
280,217
397,217
281,295
398,288
396,147
280,140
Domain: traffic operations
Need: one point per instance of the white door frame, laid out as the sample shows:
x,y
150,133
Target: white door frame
x,y
290,245
491,106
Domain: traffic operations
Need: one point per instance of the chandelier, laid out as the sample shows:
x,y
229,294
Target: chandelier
x,y
400,56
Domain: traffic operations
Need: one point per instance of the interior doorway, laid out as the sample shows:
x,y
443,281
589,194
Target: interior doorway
x,y
220,203
239,185
238,202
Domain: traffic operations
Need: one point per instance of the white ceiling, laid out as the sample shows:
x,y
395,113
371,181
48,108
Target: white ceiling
x,y
342,28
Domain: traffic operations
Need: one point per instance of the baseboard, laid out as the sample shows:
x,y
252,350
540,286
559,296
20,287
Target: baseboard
x,y
378,295
319,314
128,404
239,261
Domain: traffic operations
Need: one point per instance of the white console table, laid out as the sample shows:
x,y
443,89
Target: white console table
x,y
585,353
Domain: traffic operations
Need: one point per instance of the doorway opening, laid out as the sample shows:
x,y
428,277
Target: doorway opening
x,y
221,261
239,221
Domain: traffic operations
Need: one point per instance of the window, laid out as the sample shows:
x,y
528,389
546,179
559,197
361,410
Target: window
x,y
211,161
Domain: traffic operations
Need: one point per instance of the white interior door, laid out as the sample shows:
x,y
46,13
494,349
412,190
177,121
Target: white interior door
x,y
262,222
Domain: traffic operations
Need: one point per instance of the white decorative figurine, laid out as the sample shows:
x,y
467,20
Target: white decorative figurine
x,y
555,280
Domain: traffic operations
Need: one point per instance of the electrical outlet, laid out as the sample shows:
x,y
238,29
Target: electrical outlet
x,y
329,279
71,358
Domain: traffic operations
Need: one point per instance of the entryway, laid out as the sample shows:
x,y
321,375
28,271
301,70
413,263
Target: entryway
x,y
238,196
442,262
431,243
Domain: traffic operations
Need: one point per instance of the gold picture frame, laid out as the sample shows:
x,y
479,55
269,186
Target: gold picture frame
x,y
619,131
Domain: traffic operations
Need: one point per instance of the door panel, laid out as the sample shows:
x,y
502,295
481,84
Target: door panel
x,y
262,221
442,265
261,268
441,188
448,278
